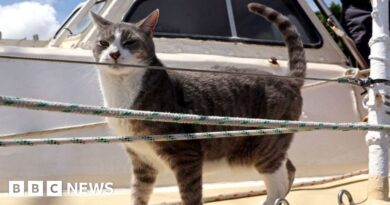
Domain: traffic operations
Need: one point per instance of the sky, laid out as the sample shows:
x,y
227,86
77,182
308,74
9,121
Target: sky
x,y
23,18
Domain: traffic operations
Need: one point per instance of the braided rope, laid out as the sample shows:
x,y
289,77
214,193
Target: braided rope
x,y
167,137
51,131
239,195
182,118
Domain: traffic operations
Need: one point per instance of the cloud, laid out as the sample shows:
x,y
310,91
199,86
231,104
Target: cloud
x,y
24,19
45,1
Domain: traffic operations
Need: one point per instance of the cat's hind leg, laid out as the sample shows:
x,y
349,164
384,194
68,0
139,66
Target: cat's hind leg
x,y
143,179
279,181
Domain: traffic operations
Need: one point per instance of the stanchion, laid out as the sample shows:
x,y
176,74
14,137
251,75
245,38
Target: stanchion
x,y
377,141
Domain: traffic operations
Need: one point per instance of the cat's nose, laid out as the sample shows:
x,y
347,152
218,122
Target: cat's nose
x,y
115,55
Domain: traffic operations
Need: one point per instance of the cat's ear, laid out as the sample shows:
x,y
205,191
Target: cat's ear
x,y
149,23
99,21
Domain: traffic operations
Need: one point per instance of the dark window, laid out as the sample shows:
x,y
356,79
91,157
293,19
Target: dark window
x,y
186,17
209,19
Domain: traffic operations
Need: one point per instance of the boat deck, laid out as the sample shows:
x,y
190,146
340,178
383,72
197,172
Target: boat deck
x,y
314,195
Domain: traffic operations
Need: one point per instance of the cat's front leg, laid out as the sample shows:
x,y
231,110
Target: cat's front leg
x,y
143,179
188,171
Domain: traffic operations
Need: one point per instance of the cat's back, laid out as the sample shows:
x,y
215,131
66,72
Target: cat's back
x,y
235,95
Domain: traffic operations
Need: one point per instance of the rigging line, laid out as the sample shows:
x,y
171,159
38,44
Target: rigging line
x,y
337,80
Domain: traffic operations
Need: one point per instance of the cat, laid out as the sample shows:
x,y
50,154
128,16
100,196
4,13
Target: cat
x,y
197,93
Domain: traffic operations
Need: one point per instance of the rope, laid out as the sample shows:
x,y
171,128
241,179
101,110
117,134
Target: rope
x,y
183,118
239,195
342,80
52,131
166,137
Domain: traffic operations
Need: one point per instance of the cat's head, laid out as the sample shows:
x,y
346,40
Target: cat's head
x,y
124,43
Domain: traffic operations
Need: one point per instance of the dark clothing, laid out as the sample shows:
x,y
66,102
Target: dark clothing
x,y
357,3
357,23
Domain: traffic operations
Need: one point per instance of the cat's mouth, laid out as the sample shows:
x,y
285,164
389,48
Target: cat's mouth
x,y
115,69
118,66
114,64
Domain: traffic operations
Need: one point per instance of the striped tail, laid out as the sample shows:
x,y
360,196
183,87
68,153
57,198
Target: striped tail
x,y
296,52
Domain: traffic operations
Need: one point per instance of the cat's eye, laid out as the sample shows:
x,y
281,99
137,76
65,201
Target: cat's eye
x,y
104,43
129,42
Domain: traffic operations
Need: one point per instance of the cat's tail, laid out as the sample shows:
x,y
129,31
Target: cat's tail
x,y
296,52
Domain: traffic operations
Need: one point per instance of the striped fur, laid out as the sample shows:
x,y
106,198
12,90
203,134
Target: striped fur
x,y
143,179
296,52
197,93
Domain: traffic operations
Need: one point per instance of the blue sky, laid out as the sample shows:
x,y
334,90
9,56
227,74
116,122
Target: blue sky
x,y
62,7
22,18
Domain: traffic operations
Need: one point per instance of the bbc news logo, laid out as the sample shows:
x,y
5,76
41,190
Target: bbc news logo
x,y
54,188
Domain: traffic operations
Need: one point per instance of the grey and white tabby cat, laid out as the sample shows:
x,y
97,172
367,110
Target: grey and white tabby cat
x,y
197,93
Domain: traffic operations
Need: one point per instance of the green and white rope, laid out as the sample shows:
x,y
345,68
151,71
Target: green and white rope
x,y
150,138
182,118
